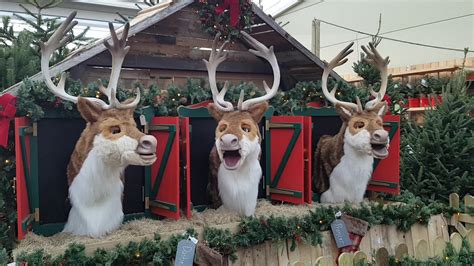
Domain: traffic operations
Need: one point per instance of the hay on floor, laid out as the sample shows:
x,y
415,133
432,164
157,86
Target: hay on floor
x,y
137,230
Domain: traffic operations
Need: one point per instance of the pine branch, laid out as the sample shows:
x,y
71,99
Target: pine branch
x,y
31,23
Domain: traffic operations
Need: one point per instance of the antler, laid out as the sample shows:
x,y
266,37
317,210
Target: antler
x,y
340,59
214,60
269,55
118,52
374,58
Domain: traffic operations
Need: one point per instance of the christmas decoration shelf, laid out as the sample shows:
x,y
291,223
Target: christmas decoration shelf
x,y
411,229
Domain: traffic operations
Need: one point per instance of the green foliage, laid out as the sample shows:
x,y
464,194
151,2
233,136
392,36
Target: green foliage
x,y
158,251
212,23
7,195
436,158
368,72
222,241
20,53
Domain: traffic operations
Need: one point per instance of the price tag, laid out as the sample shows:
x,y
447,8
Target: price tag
x,y
142,120
340,233
185,252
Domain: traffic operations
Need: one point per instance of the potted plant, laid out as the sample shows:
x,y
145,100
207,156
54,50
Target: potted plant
x,y
413,99
425,90
437,86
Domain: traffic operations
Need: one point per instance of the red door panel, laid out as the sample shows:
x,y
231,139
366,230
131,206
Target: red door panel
x,y
287,177
164,196
386,175
22,204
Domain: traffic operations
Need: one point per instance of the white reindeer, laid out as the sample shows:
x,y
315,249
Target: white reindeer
x,y
235,170
343,163
109,143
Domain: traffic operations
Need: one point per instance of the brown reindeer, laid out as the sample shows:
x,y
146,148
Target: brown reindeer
x,y
234,166
343,163
109,143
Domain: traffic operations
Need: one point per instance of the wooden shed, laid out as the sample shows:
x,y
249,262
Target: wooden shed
x,y
168,45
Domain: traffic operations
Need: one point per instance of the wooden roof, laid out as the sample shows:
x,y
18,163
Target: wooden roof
x,y
296,62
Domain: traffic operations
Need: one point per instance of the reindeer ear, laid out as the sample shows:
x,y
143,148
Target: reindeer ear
x,y
258,110
216,113
89,110
344,112
381,108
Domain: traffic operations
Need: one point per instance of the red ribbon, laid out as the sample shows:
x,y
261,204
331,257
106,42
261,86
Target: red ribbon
x,y
7,113
234,7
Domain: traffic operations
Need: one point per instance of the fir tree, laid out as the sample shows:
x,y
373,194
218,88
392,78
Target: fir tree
x,y
20,53
436,158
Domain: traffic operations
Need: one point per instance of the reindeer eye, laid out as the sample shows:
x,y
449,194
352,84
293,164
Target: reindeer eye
x,y
245,128
115,130
359,124
222,127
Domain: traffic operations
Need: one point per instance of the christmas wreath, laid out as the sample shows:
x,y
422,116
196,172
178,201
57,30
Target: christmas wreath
x,y
228,17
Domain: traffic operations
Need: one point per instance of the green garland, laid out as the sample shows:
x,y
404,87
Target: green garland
x,y
213,23
34,98
253,231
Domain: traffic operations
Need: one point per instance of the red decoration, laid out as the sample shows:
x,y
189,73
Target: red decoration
x,y
234,8
7,113
357,229
413,102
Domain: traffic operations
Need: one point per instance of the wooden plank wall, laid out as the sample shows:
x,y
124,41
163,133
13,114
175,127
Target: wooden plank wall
x,y
382,241
171,51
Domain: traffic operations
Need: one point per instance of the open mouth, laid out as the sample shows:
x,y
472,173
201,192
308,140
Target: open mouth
x,y
379,150
147,156
231,159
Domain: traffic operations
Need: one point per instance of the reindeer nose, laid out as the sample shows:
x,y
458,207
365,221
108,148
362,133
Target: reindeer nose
x,y
147,145
229,142
380,136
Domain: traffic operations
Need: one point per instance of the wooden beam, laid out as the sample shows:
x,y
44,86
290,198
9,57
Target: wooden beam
x,y
97,47
316,37
155,62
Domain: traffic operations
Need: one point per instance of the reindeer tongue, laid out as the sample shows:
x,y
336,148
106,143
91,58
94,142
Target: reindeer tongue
x,y
231,158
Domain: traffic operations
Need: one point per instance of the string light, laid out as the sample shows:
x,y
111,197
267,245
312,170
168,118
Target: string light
x,y
137,254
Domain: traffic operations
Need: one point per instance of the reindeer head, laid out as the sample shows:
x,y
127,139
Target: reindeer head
x,y
237,133
111,130
364,128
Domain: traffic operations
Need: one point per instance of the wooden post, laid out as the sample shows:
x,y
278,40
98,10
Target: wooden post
x,y
316,40
456,241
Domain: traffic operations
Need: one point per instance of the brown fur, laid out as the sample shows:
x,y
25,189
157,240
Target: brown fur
x,y
99,121
231,123
330,149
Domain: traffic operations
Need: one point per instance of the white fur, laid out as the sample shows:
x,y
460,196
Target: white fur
x,y
348,180
96,192
238,188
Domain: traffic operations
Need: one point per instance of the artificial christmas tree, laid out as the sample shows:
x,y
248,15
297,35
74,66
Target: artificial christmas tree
x,y
436,157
